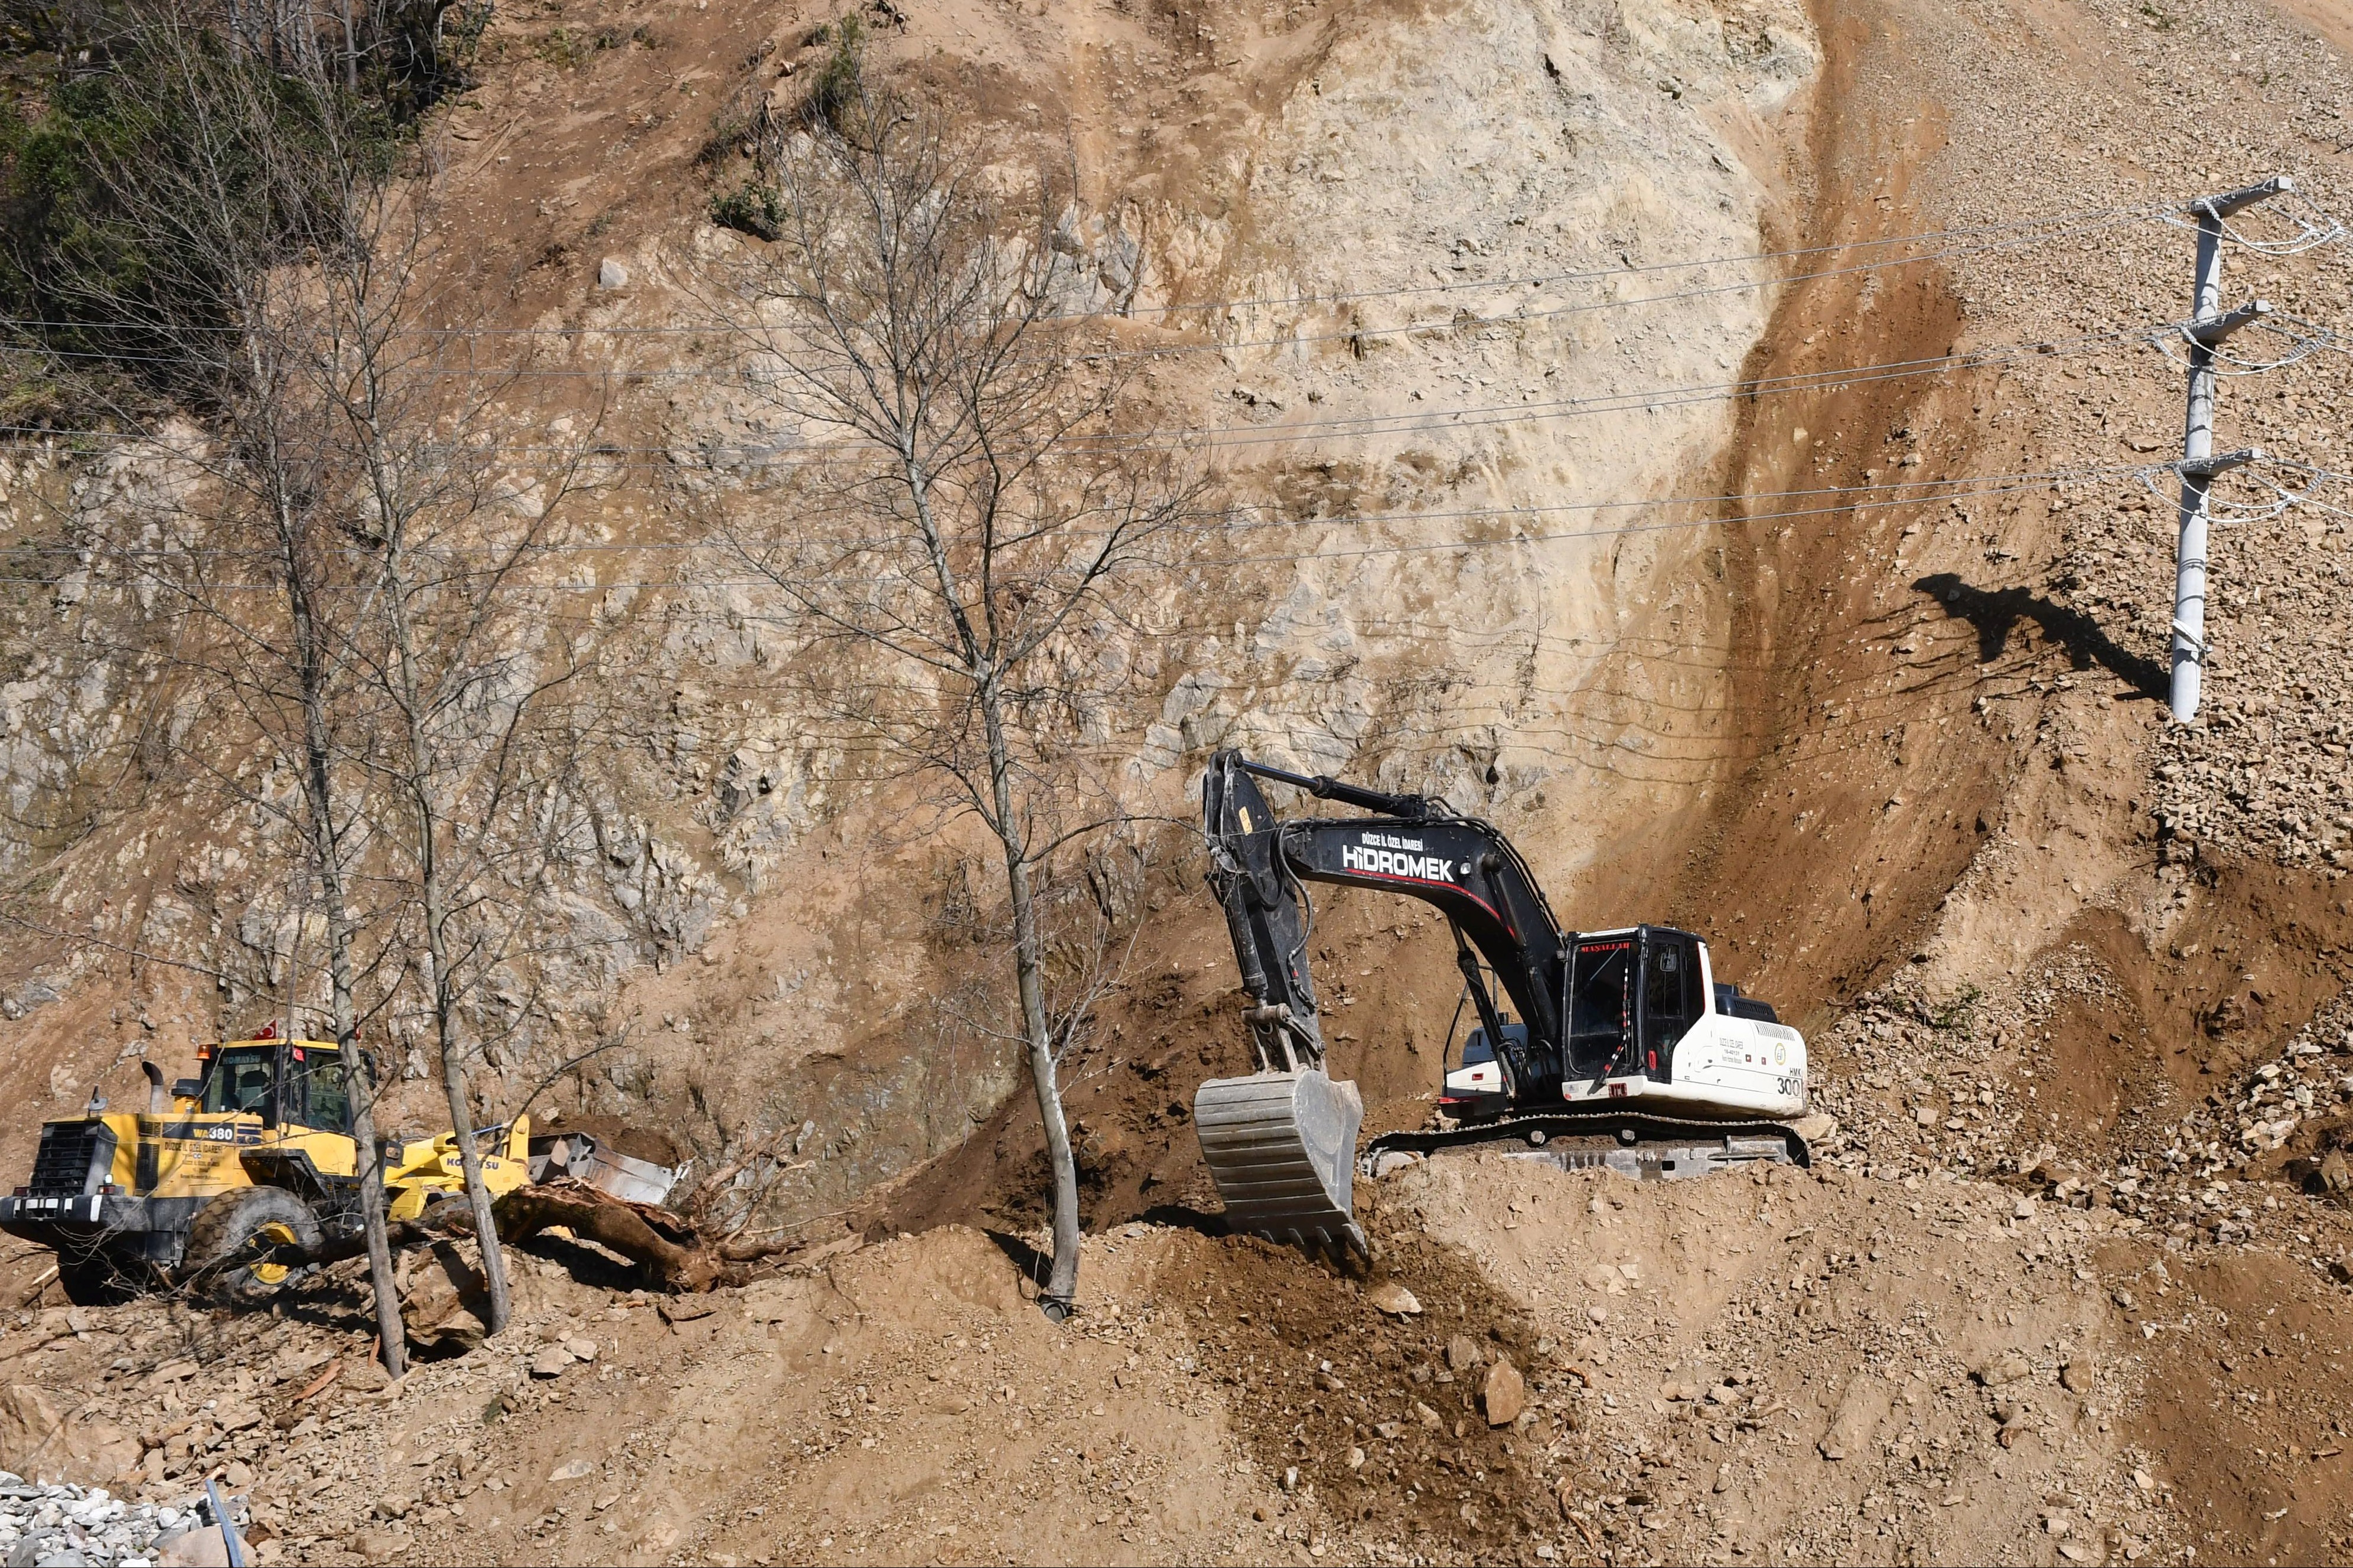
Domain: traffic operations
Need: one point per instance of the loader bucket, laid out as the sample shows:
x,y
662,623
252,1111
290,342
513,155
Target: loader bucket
x,y
1283,1149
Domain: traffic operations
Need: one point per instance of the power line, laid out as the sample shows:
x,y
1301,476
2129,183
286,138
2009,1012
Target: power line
x,y
1477,416
1432,547
727,331
1953,487
2061,225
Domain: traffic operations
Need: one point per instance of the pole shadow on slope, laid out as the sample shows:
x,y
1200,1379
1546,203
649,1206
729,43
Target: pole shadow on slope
x,y
1997,612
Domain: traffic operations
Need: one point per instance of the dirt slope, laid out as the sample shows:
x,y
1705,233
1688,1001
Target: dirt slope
x,y
2058,1290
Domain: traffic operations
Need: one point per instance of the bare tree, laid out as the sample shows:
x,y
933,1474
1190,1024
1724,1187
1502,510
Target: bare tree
x,y
469,669
278,253
359,473
967,516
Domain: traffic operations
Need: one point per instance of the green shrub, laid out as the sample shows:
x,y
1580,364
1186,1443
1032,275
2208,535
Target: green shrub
x,y
749,209
109,292
835,87
1957,1014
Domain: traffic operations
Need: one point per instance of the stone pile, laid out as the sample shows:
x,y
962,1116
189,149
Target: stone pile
x,y
1914,1096
48,1526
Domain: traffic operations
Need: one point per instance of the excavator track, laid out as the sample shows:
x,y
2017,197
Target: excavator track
x,y
1637,1143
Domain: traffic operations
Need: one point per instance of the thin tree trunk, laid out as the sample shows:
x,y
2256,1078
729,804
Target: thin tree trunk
x,y
319,780
437,947
1028,967
391,1332
299,902
461,1121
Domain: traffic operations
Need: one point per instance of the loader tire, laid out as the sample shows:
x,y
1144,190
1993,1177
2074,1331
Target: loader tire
x,y
223,1230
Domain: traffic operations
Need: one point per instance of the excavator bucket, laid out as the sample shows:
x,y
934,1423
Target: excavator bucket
x,y
1283,1149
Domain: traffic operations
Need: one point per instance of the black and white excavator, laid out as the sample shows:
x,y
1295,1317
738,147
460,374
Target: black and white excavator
x,y
1615,1048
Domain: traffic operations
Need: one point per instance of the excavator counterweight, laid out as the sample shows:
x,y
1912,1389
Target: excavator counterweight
x,y
1625,1051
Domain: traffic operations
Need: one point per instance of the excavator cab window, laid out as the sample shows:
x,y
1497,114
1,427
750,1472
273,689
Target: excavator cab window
x,y
1601,1005
241,1081
1670,997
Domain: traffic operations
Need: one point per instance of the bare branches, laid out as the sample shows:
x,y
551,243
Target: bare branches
x,y
973,502
957,562
345,571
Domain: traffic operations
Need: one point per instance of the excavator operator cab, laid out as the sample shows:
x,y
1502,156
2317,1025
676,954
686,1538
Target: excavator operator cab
x,y
1633,996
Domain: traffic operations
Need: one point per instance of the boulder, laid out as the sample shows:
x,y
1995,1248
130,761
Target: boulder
x,y
30,1422
42,1433
198,1546
1504,1393
444,1299
366,1376
2007,1367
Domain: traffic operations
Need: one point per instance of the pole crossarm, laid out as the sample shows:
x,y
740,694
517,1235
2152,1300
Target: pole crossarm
x,y
2208,330
2220,463
2229,202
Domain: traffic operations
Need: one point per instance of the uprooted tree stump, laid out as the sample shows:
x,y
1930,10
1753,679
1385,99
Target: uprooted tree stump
x,y
668,1245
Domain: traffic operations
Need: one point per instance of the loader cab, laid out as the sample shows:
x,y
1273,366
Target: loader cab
x,y
298,1083
241,1080
1632,994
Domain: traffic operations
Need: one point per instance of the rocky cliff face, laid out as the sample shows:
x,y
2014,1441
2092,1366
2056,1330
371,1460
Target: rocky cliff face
x,y
1418,273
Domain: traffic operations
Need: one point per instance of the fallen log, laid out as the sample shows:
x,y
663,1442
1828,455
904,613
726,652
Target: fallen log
x,y
664,1244
670,1247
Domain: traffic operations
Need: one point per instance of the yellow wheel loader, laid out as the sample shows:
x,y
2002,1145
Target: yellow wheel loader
x,y
257,1146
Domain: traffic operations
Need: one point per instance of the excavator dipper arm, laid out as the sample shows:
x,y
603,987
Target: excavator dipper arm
x,y
1266,915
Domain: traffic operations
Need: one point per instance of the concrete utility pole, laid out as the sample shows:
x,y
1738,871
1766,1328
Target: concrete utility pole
x,y
2209,326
